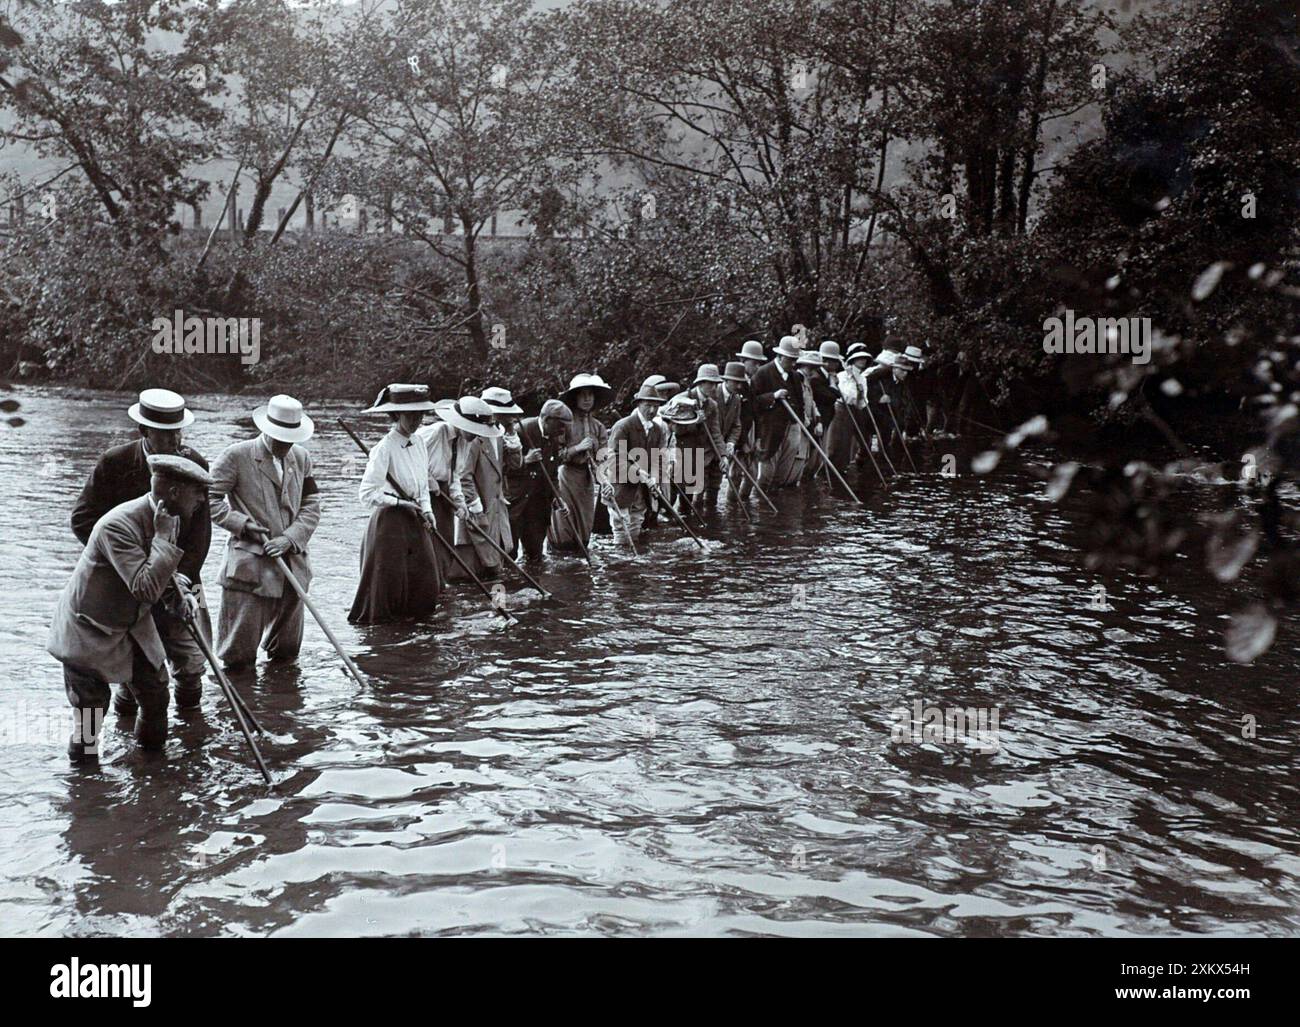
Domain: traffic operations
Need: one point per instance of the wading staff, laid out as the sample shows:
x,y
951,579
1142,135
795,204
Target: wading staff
x,y
920,414
907,452
292,579
401,494
862,439
500,549
737,462
663,500
627,521
884,448
817,446
722,464
568,516
228,689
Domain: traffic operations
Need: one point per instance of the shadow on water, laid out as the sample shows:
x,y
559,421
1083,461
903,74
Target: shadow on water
x,y
693,743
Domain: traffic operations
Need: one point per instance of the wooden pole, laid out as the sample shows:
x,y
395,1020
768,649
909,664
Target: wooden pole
x,y
804,428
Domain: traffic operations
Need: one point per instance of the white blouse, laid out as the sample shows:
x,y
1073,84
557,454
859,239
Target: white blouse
x,y
407,460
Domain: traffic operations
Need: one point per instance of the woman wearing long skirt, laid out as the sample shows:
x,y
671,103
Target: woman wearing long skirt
x,y
585,438
401,576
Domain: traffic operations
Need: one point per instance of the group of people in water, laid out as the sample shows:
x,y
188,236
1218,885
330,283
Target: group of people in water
x,y
457,498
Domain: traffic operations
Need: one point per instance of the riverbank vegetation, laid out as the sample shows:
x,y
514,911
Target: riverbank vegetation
x,y
685,176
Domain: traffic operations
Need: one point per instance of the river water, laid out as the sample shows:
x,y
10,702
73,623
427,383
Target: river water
x,y
694,744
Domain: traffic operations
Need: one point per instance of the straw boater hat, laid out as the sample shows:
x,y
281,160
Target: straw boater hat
x,y
161,408
400,399
708,373
735,372
594,382
469,414
681,411
178,468
809,358
914,354
283,420
752,351
500,400
788,346
830,351
554,408
648,392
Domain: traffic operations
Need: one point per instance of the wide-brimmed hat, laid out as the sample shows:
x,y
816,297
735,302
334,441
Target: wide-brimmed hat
x,y
500,400
648,392
735,372
283,420
889,358
830,351
809,358
594,382
161,408
468,414
178,468
788,346
554,408
399,399
681,411
914,354
858,351
752,350
707,373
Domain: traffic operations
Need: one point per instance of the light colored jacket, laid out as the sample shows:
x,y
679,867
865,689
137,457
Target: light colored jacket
x,y
480,465
289,507
122,572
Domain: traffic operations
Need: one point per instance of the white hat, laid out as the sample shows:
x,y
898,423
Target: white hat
x,y
500,400
282,419
682,411
161,408
809,357
396,399
600,391
914,354
470,414
888,357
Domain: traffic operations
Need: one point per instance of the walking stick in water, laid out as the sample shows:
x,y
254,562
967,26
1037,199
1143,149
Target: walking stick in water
x,y
568,516
401,493
228,689
676,516
817,446
738,463
722,463
297,586
884,449
853,420
622,516
500,549
907,452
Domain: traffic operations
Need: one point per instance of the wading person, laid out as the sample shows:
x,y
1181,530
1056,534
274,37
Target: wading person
x,y
713,440
103,629
122,474
635,456
443,441
401,574
810,367
271,478
585,436
782,447
853,394
532,503
665,390
840,438
481,467
919,391
736,419
894,396
685,448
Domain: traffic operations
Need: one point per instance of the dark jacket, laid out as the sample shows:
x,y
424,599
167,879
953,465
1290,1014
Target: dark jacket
x,y
526,484
632,445
824,395
772,420
123,474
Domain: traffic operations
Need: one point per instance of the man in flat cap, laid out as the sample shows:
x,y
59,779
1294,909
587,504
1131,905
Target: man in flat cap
x,y
122,474
531,501
103,629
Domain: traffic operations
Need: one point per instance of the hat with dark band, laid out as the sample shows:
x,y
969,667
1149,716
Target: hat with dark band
x,y
858,351
161,408
594,382
707,373
648,393
468,414
500,400
178,469
809,358
681,411
397,399
283,420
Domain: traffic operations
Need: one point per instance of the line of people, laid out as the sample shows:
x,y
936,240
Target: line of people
x,y
489,480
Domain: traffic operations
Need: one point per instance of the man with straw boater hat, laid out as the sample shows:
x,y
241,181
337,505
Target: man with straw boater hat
x,y
123,474
633,462
264,494
585,436
401,572
103,628
782,447
481,467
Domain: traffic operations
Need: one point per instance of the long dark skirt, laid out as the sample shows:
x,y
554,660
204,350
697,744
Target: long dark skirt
x,y
452,571
401,577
